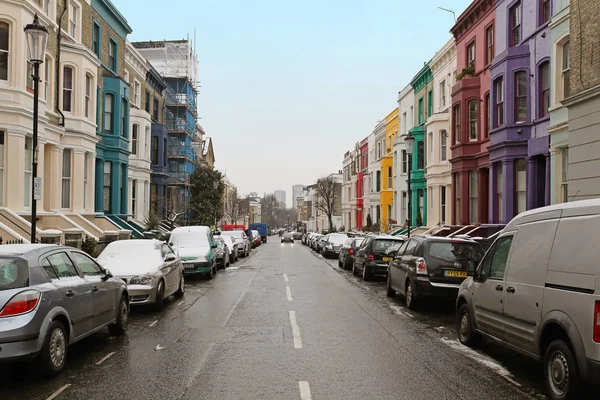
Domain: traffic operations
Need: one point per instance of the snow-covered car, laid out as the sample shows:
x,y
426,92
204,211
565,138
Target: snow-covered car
x,y
232,247
149,267
242,241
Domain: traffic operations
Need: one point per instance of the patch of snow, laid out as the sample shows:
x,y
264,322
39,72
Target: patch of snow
x,y
397,309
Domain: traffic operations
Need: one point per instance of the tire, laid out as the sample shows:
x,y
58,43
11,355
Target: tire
x,y
340,263
120,326
54,351
389,291
561,374
464,326
366,275
409,296
213,271
160,296
247,253
181,290
354,271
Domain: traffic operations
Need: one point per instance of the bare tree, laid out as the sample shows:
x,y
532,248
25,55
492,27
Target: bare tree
x,y
232,206
269,208
325,191
244,208
173,212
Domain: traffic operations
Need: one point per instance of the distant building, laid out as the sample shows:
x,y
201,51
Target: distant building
x,y
280,197
297,191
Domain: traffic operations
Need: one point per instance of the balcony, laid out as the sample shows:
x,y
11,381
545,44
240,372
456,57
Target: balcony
x,y
180,125
182,152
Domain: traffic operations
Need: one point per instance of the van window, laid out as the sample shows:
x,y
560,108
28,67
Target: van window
x,y
494,263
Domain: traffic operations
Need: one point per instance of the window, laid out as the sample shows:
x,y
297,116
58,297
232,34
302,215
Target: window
x,y
46,6
545,11
28,161
147,143
133,196
489,44
404,206
108,112
564,186
136,93
112,55
442,204
67,89
457,199
147,108
544,89
456,117
443,145
429,103
390,178
442,94
473,188
47,77
134,139
87,266
521,186
29,76
404,122
88,95
520,96
155,115
96,39
378,150
72,20
421,203
473,120
499,192
154,150
2,134
494,263
421,111
430,141
106,186
566,70
420,155
471,54
86,169
515,24
488,115
499,88
4,51
404,162
66,179
153,197
378,182
124,111
62,264
165,152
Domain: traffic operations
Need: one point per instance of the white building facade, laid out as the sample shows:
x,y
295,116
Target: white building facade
x,y
406,101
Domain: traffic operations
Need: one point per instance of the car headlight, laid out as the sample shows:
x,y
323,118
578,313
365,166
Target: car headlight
x,y
201,258
219,252
142,280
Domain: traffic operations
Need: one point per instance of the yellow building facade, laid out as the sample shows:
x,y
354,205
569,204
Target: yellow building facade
x,y
386,195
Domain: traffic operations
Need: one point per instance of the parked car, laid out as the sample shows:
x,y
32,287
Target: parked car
x,y
241,239
370,259
333,245
51,297
149,267
196,247
262,230
536,291
321,243
287,237
221,253
314,241
348,250
256,238
231,247
297,235
251,237
432,267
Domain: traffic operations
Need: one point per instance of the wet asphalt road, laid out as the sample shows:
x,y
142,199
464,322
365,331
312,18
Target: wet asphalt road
x,y
283,324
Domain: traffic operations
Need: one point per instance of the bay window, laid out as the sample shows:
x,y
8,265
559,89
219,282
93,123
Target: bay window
x,y
499,88
520,96
67,89
473,120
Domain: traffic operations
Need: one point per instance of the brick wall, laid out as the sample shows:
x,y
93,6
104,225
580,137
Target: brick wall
x,y
584,44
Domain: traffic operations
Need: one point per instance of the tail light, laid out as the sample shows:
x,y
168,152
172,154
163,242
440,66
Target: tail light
x,y
350,250
21,303
597,322
421,266
371,257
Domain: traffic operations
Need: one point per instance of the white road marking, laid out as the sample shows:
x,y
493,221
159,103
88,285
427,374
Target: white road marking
x,y
153,323
59,391
482,359
158,347
289,293
295,330
106,357
180,303
199,290
440,328
285,277
304,390
409,314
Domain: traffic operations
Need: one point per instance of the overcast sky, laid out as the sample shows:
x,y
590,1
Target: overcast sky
x,y
289,86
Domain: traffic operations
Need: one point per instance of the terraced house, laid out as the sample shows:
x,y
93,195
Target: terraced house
x,y
386,196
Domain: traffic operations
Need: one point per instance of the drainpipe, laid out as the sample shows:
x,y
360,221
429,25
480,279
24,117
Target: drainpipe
x,y
58,41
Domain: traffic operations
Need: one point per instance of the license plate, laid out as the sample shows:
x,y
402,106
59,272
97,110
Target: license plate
x,y
188,266
456,274
387,258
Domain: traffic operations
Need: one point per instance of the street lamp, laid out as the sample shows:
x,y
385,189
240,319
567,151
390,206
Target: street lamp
x,y
37,37
216,186
410,142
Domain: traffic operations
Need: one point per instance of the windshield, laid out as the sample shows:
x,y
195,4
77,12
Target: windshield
x,y
358,241
14,273
189,239
455,251
234,234
380,245
138,250
337,239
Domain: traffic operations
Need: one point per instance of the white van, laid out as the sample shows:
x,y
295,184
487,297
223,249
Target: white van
x,y
195,246
537,290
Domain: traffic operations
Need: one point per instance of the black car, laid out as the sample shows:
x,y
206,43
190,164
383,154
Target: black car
x,y
287,237
346,256
222,253
430,266
370,259
333,245
320,243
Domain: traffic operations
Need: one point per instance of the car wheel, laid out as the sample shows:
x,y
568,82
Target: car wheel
x,y
410,295
390,292
354,271
561,375
464,327
340,263
54,351
213,272
181,291
160,296
120,325
366,275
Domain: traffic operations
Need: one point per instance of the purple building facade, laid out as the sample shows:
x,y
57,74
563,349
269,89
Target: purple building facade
x,y
518,109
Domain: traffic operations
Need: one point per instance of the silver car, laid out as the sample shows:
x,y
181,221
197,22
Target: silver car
x,y
241,239
53,296
150,268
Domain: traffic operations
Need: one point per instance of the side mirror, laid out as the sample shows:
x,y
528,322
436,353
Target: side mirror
x,y
171,244
170,257
107,275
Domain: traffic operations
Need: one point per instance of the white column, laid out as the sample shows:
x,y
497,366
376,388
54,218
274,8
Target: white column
x,y
77,186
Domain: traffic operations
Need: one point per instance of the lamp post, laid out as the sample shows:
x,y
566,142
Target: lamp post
x,y
37,37
410,142
216,186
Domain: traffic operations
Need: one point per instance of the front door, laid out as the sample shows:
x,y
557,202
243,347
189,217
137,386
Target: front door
x,y
489,288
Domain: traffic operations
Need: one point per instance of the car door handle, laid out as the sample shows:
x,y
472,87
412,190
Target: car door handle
x,y
70,293
499,288
510,289
94,288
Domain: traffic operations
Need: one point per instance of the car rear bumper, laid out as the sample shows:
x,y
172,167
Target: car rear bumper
x,y
22,350
197,268
425,288
377,269
593,371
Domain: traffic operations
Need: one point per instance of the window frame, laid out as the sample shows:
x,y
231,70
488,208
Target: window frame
x,y
89,84
147,107
491,253
70,90
429,103
473,196
471,48
545,5
420,154
520,97
66,179
135,131
27,169
490,45
111,113
564,173
421,110
124,118
488,115
544,92
7,51
3,139
442,94
133,196
519,193
473,119
456,124
565,70
73,23
499,101
107,186
96,27
443,145
404,162
515,15
154,150
113,44
137,92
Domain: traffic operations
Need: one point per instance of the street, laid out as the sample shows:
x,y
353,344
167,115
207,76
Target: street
x,y
283,324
